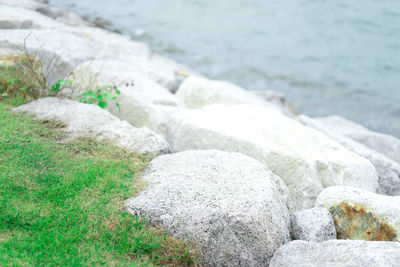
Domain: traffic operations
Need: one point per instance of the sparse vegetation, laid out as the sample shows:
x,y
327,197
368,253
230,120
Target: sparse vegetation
x,y
21,80
101,96
61,203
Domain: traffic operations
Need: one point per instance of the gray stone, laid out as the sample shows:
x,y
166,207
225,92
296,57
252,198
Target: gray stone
x,y
143,102
59,51
304,158
314,225
385,144
230,205
55,39
388,169
10,24
362,215
15,17
197,92
84,120
49,11
278,99
28,4
333,253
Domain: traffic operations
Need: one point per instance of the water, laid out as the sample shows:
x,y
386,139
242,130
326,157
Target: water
x,y
329,57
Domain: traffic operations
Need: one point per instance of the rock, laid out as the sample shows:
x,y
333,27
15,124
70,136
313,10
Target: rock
x,y
197,92
54,38
120,48
362,215
305,159
84,120
142,101
385,144
49,11
278,99
230,205
28,4
388,170
59,51
332,253
10,24
12,17
314,225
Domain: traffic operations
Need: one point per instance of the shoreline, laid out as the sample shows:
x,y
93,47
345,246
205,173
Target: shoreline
x,y
316,95
232,167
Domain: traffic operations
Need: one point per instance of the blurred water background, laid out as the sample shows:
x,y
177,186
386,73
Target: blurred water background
x,y
329,57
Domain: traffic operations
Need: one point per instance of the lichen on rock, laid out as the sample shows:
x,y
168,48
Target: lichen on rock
x,y
362,215
355,222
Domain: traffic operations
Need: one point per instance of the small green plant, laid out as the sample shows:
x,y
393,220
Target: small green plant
x,y
101,96
58,86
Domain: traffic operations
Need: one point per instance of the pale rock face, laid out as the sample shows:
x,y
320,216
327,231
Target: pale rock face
x,y
362,215
59,31
230,205
278,99
385,144
29,4
142,101
198,92
84,120
313,225
388,169
333,253
58,51
22,18
305,159
120,48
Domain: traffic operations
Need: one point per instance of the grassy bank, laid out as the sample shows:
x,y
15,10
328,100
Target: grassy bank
x,y
61,203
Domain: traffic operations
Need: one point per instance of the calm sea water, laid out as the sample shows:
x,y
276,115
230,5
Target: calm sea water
x,y
329,57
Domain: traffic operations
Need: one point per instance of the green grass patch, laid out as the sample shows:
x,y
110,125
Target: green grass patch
x,y
61,203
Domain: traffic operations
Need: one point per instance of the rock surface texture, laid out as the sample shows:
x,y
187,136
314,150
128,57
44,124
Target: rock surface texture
x,y
388,169
362,215
242,163
385,144
333,253
278,99
197,92
63,41
143,101
83,120
314,225
304,158
230,205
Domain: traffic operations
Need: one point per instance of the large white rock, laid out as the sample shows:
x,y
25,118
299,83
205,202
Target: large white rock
x,y
305,159
158,68
333,253
314,225
103,44
278,99
28,4
388,169
142,101
361,214
230,205
83,120
385,144
198,92
12,17
59,51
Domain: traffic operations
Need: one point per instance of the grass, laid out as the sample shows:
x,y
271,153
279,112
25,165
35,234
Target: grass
x,y
61,203
21,80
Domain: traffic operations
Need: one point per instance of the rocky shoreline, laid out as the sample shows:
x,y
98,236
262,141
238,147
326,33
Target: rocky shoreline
x,y
239,172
